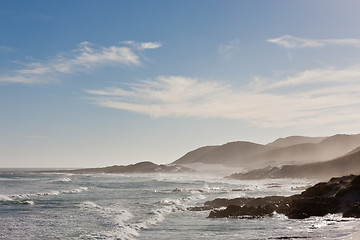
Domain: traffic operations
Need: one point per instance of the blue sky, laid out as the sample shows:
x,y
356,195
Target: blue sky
x,y
97,83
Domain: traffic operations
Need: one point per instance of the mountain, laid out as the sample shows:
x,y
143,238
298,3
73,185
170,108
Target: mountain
x,y
251,155
195,155
294,140
226,154
345,165
353,151
329,148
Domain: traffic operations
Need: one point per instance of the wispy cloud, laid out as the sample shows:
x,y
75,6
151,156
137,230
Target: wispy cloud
x,y
143,45
226,50
5,49
86,56
263,102
291,42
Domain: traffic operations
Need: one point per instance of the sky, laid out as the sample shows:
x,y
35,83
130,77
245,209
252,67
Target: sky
x,y
100,83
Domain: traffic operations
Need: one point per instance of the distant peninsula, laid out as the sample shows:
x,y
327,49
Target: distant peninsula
x,y
141,167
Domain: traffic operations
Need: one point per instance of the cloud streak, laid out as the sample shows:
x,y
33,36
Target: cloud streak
x,y
6,49
291,42
85,57
228,49
299,100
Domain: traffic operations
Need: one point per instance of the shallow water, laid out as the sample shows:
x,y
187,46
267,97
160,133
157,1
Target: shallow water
x,y
152,206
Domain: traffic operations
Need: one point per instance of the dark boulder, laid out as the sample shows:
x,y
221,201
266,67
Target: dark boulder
x,y
243,211
339,195
315,206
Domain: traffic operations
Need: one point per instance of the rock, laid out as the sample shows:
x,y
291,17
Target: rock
x,y
241,211
353,211
301,208
339,195
201,208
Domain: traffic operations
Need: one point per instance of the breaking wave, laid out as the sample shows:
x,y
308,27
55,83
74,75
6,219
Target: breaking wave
x,y
62,180
120,218
4,198
50,193
127,227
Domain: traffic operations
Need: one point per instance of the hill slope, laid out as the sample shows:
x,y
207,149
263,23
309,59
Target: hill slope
x,y
294,140
345,165
251,155
329,148
227,154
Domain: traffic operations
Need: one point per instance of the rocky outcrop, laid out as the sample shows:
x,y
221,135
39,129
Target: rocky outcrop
x,y
339,195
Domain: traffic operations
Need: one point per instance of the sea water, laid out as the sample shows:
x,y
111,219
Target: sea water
x,y
146,206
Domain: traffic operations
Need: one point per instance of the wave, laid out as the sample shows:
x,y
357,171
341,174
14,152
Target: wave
x,y
26,202
61,180
4,198
120,217
8,199
204,189
127,227
76,190
50,193
165,207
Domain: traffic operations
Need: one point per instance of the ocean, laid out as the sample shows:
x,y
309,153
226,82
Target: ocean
x,y
46,206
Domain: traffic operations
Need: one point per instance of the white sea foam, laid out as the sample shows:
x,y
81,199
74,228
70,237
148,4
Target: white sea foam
x,y
167,206
215,189
158,214
49,193
203,189
4,198
122,214
120,217
60,180
76,190
27,202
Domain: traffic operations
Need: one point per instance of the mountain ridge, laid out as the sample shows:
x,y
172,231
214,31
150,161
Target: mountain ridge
x,y
252,155
293,140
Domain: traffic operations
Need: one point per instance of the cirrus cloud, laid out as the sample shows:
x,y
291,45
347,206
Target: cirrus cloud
x,y
86,56
226,50
306,101
291,42
6,49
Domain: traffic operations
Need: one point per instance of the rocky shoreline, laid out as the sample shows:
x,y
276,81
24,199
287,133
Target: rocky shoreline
x,y
339,195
